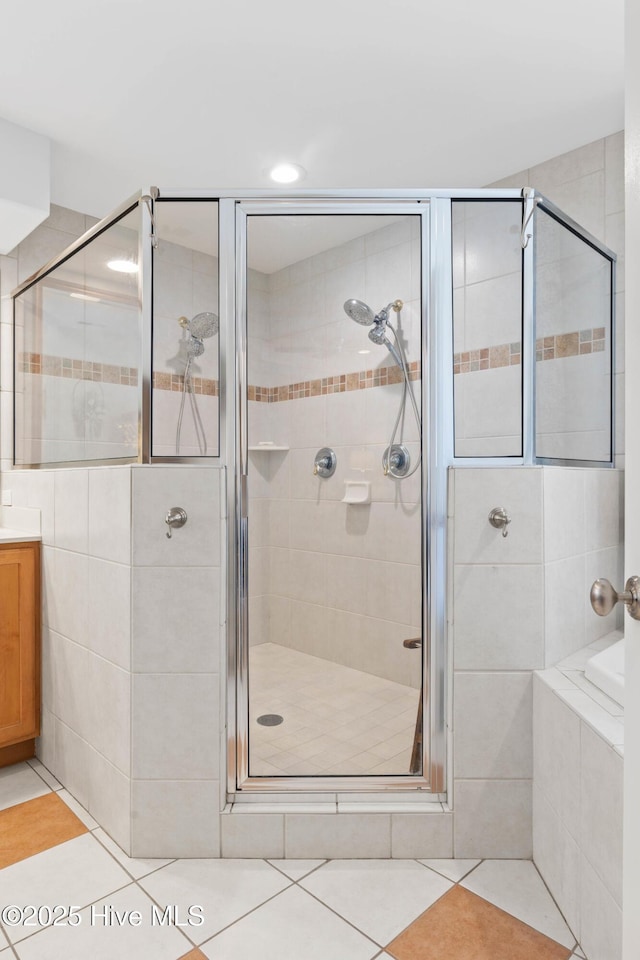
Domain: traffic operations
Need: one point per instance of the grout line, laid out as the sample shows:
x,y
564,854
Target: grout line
x,y
35,770
556,903
344,919
249,912
122,867
84,906
159,905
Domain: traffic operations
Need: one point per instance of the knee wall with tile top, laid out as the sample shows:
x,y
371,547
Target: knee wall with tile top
x,y
518,604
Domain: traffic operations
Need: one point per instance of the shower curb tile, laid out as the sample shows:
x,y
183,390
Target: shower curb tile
x,y
413,836
392,807
283,808
252,835
361,836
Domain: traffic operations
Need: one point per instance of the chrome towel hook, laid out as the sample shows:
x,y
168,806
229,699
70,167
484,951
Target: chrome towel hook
x,y
500,519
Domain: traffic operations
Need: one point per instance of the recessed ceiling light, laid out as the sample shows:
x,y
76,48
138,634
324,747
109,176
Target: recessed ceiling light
x,y
287,172
123,266
85,296
364,351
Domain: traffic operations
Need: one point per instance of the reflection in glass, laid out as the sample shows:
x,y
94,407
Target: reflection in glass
x,y
186,353
573,348
487,324
77,335
335,597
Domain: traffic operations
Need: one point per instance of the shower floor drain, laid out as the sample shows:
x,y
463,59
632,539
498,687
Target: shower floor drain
x,y
270,719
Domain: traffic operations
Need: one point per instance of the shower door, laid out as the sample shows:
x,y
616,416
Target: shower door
x,y
331,638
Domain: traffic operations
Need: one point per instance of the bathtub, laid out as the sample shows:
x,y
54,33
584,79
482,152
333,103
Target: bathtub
x,y
606,671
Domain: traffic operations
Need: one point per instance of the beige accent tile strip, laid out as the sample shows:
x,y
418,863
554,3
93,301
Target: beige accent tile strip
x,y
547,348
341,383
66,367
175,383
571,344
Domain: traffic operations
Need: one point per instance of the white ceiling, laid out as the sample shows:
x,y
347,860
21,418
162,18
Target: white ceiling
x,y
201,93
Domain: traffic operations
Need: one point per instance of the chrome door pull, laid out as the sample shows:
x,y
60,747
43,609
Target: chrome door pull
x,y
604,597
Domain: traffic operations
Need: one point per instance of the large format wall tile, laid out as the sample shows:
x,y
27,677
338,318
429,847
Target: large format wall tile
x,y
499,617
492,725
492,819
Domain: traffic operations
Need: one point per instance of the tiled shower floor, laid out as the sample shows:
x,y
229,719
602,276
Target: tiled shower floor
x,y
337,720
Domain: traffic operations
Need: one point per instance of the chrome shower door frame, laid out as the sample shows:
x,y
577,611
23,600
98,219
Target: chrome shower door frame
x,y
435,214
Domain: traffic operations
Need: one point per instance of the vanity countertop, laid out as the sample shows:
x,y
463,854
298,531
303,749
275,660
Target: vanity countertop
x,y
7,535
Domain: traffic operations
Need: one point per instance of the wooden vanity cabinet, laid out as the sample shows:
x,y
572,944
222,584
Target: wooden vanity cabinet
x,y
19,650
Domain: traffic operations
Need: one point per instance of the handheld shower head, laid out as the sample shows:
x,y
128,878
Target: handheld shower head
x,y
359,311
204,325
378,335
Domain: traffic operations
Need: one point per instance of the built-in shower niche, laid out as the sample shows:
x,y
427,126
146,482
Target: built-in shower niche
x,y
335,588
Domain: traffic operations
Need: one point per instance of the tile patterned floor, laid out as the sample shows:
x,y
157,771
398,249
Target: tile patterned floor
x,y
336,720
275,910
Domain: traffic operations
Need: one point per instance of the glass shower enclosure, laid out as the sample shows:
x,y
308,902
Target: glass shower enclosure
x,y
333,354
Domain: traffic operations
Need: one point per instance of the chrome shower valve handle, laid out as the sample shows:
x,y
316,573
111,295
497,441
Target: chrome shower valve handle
x,y
324,464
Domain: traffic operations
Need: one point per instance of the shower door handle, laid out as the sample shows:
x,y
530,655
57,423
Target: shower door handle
x,y
604,597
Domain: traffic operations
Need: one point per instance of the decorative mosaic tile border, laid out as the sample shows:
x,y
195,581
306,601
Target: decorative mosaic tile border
x,y
109,373
77,369
341,383
547,348
571,344
175,383
488,358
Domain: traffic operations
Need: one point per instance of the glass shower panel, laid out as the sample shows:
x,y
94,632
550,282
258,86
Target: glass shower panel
x,y
77,354
573,345
186,352
487,324
335,576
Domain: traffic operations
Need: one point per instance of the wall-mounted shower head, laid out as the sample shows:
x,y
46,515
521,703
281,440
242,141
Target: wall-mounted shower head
x,y
359,311
362,313
200,327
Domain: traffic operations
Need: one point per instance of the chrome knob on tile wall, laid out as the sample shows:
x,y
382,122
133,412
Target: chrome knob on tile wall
x,y
500,519
176,517
604,597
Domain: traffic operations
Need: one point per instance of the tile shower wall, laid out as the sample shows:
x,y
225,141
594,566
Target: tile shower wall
x,y
131,680
176,662
519,604
185,283
335,580
487,322
588,185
